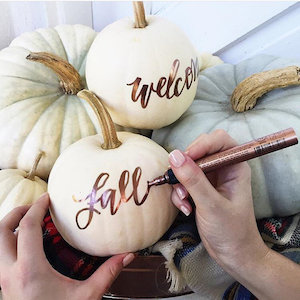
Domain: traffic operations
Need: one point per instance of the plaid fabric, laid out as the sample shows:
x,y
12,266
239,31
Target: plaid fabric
x,y
64,258
281,234
238,292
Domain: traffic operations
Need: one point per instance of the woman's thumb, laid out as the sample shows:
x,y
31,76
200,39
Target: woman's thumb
x,y
107,273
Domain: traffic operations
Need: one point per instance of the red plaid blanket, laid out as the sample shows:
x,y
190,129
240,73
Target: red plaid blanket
x,y
282,235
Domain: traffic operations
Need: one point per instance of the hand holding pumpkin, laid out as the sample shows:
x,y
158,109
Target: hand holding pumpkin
x,y
22,250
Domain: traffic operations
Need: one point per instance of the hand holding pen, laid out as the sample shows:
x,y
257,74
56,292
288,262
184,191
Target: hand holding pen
x,y
225,219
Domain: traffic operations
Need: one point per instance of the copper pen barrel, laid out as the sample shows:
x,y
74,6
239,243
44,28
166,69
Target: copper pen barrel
x,y
255,148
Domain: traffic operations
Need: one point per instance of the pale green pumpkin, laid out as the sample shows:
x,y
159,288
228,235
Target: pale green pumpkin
x,y
38,110
276,176
35,113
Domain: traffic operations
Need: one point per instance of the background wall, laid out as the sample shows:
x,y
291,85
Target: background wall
x,y
232,30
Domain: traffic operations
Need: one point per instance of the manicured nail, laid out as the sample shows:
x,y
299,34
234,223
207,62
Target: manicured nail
x,y
176,158
43,196
128,259
185,210
181,192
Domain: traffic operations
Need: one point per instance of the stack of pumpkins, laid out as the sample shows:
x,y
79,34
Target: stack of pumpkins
x,y
98,183
141,74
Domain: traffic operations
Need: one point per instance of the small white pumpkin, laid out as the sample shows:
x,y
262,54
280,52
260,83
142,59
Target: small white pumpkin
x,y
146,72
208,60
18,187
99,193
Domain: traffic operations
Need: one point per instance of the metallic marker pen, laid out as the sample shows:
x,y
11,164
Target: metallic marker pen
x,y
255,148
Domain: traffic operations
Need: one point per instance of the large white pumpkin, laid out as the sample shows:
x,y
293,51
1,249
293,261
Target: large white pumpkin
x,y
147,77
35,112
99,199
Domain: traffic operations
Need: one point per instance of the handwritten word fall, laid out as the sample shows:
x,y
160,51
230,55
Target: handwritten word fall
x,y
109,195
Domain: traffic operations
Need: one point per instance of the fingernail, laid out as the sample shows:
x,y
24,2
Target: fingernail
x,y
43,196
181,192
177,158
128,259
185,210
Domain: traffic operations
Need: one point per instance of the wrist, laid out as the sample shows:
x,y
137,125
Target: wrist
x,y
246,261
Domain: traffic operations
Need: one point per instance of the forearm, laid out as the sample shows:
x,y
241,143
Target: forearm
x,y
271,276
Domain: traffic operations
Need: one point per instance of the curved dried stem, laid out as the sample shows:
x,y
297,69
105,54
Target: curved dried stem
x,y
70,80
246,94
109,133
32,172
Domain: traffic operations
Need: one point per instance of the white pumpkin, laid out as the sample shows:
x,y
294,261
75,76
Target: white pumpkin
x,y
98,193
208,60
147,77
18,187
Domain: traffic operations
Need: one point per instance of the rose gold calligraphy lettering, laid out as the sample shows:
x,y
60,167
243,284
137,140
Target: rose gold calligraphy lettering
x,y
172,76
109,195
171,84
92,196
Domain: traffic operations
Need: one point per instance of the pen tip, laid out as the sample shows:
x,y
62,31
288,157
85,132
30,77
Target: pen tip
x,y
157,181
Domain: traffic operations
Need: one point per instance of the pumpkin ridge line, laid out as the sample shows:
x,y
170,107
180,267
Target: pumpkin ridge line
x,y
269,63
78,70
85,56
16,187
28,79
235,75
200,112
38,119
249,128
216,86
281,111
63,45
30,98
53,50
86,112
26,66
8,179
220,121
82,113
63,122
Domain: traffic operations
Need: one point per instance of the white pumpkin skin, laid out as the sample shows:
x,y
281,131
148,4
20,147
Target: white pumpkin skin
x,y
121,53
17,190
132,227
276,176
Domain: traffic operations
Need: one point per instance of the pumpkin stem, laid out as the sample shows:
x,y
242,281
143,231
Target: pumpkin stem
x,y
32,172
70,80
109,133
139,14
245,95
